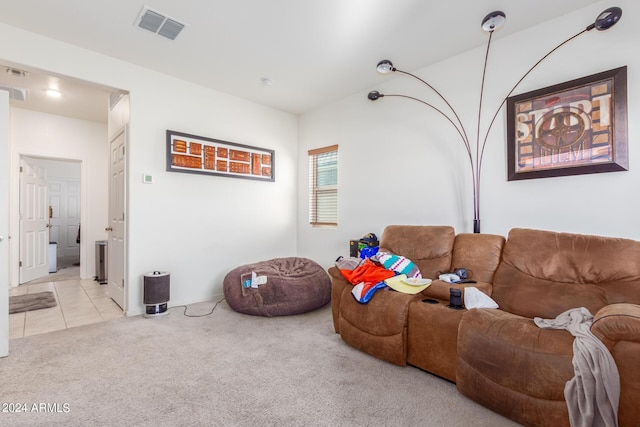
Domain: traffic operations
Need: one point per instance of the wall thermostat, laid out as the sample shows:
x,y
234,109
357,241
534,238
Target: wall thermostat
x,y
147,179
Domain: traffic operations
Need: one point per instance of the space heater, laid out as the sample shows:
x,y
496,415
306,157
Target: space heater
x,y
156,293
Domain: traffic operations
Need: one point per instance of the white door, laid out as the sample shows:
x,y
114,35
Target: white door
x,y
116,229
4,223
34,223
64,200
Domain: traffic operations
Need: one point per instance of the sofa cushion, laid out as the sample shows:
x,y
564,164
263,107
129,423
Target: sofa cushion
x,y
478,253
429,247
545,273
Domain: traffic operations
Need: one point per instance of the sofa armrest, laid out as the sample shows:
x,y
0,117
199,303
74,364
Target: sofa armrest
x,y
440,290
617,322
335,273
338,283
618,327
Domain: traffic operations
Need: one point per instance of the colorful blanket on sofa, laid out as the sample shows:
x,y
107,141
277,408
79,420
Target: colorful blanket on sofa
x,y
367,278
368,275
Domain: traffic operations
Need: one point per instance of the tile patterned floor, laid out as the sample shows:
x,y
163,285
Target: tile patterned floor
x,y
80,302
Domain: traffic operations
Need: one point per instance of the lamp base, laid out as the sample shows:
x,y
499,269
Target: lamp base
x,y
476,226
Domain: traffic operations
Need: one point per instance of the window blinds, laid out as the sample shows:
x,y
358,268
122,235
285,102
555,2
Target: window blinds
x,y
323,186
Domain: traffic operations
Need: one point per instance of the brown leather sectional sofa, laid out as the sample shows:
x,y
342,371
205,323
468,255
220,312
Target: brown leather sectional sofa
x,y
499,357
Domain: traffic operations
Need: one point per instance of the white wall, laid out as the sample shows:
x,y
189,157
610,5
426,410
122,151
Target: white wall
x,y
196,227
4,224
200,227
402,163
38,134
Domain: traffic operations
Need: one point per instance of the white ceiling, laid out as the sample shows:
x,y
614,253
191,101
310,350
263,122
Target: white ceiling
x,y
314,51
79,99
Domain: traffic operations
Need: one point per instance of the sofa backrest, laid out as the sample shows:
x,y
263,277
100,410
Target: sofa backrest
x,y
428,246
479,253
544,273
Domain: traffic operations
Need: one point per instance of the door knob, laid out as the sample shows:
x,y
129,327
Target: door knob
x,y
48,225
108,229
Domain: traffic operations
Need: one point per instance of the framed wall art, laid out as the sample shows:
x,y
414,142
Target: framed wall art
x,y
197,154
572,128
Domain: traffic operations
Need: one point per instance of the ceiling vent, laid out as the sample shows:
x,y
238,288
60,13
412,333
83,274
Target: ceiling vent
x,y
158,23
17,93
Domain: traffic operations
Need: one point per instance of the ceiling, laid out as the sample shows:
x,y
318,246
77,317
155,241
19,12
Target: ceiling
x,y
79,99
313,51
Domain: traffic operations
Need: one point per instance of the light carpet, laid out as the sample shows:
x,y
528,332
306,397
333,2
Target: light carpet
x,y
226,369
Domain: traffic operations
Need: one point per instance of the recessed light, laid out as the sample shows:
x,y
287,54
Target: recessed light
x,y
53,93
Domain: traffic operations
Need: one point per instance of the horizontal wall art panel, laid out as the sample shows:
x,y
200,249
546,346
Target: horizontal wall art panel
x,y
208,156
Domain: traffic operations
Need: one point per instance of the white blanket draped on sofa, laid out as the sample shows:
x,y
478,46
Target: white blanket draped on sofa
x,y
594,392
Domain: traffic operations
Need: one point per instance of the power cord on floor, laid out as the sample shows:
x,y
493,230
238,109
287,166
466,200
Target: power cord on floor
x,y
184,313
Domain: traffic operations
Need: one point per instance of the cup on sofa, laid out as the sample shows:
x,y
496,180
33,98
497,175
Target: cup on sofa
x,y
455,299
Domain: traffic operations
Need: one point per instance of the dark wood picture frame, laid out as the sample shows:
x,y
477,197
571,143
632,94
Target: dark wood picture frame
x,y
572,128
207,156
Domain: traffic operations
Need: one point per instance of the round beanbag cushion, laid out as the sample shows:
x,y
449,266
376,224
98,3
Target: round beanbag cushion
x,y
293,286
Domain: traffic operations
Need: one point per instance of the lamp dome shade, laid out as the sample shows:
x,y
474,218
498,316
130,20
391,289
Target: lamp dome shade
x,y
385,66
493,21
608,18
374,94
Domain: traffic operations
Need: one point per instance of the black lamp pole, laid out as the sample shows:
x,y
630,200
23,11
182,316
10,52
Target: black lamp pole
x,y
494,20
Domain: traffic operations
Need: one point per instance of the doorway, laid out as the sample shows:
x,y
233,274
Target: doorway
x,y
50,211
56,131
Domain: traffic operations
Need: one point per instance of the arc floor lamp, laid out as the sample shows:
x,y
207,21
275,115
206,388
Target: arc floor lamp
x,y
494,20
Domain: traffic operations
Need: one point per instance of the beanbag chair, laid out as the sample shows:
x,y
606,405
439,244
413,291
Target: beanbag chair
x,y
293,285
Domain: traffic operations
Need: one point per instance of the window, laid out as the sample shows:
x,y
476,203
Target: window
x,y
323,186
